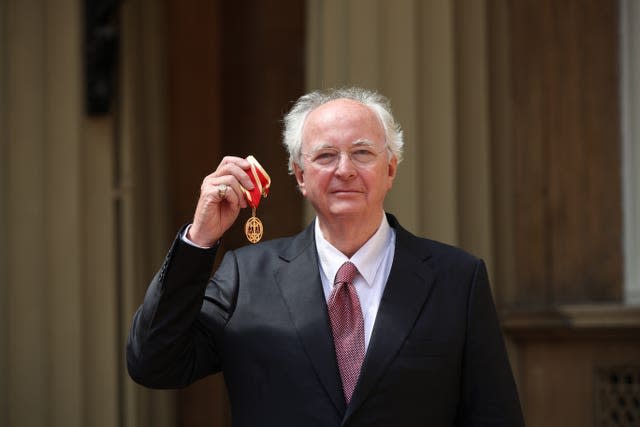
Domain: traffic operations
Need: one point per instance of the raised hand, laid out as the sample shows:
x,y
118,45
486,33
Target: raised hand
x,y
221,198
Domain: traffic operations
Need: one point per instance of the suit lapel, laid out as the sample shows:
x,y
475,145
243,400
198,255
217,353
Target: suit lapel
x,y
408,287
299,280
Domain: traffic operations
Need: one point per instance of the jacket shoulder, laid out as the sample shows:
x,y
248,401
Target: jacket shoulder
x,y
444,251
429,248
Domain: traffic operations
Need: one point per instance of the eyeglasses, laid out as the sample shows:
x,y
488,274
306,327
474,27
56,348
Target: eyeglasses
x,y
329,157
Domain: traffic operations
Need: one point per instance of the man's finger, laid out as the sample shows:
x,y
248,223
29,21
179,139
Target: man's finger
x,y
240,174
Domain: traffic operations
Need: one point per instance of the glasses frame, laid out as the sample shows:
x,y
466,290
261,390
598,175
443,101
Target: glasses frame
x,y
349,154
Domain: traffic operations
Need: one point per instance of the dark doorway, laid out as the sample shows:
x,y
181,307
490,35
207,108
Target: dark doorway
x,y
233,70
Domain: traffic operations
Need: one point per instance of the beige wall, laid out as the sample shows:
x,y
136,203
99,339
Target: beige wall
x,y
142,189
37,274
58,276
429,58
75,243
630,94
3,223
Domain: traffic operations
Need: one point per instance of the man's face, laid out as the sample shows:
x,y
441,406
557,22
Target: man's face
x,y
355,184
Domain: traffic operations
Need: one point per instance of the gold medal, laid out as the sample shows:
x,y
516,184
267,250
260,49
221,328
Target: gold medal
x,y
253,228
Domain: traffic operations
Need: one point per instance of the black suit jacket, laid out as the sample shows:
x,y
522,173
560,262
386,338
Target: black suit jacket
x,y
436,355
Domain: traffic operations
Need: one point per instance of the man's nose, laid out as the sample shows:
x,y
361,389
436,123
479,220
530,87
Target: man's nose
x,y
345,166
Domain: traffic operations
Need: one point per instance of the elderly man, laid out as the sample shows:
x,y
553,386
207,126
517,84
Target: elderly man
x,y
353,322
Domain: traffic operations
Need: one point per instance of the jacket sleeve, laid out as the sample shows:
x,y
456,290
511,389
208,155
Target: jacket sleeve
x,y
489,396
172,340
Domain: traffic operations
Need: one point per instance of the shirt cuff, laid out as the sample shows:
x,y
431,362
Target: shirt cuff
x,y
189,242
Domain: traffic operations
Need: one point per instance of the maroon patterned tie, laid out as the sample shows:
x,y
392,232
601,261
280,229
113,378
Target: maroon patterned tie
x,y
347,326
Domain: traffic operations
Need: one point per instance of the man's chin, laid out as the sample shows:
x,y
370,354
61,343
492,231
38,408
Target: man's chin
x,y
343,209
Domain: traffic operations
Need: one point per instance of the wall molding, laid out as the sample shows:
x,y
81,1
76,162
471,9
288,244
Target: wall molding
x,y
630,109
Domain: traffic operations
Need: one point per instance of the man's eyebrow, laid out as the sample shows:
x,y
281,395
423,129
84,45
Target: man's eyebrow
x,y
362,142
358,143
323,146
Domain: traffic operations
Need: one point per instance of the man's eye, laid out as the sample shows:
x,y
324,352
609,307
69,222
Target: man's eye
x,y
325,157
363,155
363,152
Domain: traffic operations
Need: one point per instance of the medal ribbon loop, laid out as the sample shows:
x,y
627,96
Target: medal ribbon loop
x,y
261,183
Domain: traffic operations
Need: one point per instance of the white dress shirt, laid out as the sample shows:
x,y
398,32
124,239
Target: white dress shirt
x,y
373,261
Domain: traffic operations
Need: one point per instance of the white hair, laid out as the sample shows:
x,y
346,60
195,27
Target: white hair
x,y
295,119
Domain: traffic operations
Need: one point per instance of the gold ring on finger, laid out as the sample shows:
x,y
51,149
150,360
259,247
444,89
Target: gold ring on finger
x,y
222,191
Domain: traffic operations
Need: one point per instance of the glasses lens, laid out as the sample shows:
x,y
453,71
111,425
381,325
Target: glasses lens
x,y
360,156
325,157
363,156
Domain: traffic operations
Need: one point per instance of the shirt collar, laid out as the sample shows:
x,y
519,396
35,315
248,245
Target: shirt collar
x,y
367,259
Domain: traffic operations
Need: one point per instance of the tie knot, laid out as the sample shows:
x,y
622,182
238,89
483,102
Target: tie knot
x,y
346,273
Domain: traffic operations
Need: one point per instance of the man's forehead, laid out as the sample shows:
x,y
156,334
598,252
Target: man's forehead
x,y
343,114
337,107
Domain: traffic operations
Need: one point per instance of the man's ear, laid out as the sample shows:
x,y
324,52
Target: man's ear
x,y
299,173
392,168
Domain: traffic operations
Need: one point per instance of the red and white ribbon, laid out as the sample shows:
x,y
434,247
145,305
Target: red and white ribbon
x,y
261,183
